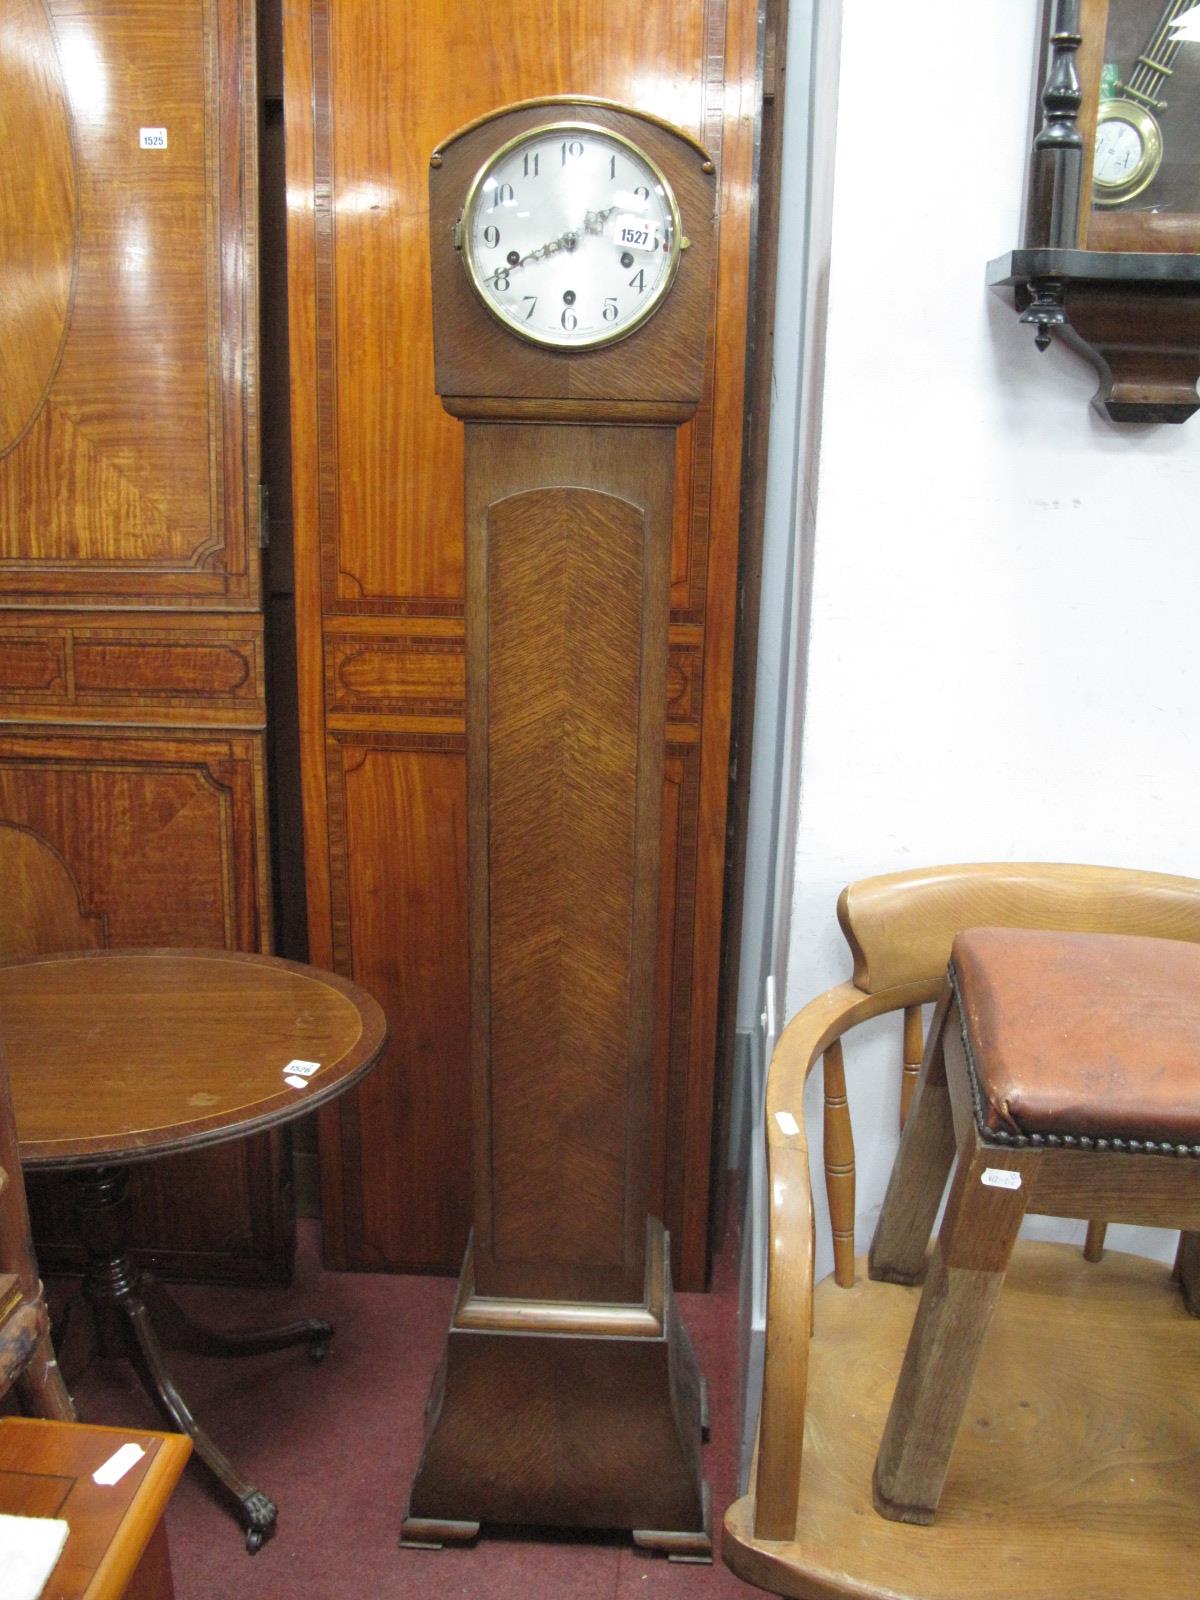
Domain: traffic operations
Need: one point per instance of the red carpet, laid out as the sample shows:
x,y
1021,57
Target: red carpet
x,y
335,1446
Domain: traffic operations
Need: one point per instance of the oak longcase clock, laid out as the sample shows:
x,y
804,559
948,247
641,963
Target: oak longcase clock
x,y
572,252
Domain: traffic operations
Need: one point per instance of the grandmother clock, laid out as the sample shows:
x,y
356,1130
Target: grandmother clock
x,y
572,259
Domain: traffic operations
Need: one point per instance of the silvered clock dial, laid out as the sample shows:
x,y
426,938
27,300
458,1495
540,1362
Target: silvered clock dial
x,y
570,235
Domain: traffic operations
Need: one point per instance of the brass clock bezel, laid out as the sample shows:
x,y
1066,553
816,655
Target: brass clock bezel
x,y
463,232
1143,175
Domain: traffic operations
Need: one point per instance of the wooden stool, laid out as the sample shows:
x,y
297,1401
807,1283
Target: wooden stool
x,y
117,1545
1064,1071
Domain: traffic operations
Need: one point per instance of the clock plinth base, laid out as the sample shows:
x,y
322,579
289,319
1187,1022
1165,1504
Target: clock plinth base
x,y
571,1416
429,1533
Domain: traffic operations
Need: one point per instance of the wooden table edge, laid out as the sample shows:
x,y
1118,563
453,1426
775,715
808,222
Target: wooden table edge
x,y
42,1157
369,1045
160,1475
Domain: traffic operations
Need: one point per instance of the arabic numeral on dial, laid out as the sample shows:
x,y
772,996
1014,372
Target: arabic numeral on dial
x,y
612,166
638,281
610,309
642,192
503,196
570,321
532,161
491,235
500,282
531,301
572,148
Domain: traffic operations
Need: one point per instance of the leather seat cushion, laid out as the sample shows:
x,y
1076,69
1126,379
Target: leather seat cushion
x,y
1093,1034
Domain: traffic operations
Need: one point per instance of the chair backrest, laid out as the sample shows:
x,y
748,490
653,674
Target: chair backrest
x,y
900,926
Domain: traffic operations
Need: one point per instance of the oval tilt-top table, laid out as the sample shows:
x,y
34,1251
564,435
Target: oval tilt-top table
x,y
118,1056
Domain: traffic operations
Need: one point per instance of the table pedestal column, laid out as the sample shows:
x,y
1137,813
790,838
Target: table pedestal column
x,y
135,1317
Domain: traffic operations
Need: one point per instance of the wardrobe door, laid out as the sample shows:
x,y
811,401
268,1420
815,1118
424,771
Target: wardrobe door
x,y
370,89
132,684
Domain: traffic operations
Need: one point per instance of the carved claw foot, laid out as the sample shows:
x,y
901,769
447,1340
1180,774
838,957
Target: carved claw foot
x,y
259,1514
320,1333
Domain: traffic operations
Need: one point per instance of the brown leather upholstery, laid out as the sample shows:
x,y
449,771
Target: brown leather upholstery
x,y
1088,1034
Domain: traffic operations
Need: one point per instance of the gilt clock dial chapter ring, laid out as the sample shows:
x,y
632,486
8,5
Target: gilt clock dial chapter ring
x,y
571,235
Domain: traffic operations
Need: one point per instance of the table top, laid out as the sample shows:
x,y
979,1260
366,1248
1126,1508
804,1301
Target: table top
x,y
124,1055
46,1471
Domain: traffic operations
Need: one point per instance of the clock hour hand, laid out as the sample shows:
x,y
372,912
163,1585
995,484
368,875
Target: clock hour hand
x,y
565,241
593,222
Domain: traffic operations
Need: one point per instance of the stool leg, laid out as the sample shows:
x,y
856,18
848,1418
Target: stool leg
x,y
1093,1245
926,1153
966,1274
1189,1270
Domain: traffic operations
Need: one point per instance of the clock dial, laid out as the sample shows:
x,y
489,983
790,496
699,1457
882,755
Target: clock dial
x,y
571,236
1129,151
1119,152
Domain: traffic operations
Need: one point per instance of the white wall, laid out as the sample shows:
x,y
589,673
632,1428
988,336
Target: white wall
x,y
1003,657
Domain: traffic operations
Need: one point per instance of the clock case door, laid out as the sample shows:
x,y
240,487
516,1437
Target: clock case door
x,y
1165,214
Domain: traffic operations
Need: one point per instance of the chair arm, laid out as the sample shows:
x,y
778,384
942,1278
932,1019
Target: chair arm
x,y
790,1244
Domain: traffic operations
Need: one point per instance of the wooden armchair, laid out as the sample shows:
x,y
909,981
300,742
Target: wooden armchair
x,y
26,1353
1078,1471
42,914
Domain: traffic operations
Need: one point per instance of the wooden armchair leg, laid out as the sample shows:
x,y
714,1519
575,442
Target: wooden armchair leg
x,y
966,1275
41,1388
914,1192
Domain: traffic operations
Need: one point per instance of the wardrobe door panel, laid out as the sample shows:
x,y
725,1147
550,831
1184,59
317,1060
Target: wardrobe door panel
x,y
157,837
400,921
122,448
132,680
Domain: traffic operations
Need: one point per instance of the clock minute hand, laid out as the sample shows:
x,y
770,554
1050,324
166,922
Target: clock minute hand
x,y
595,220
592,223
